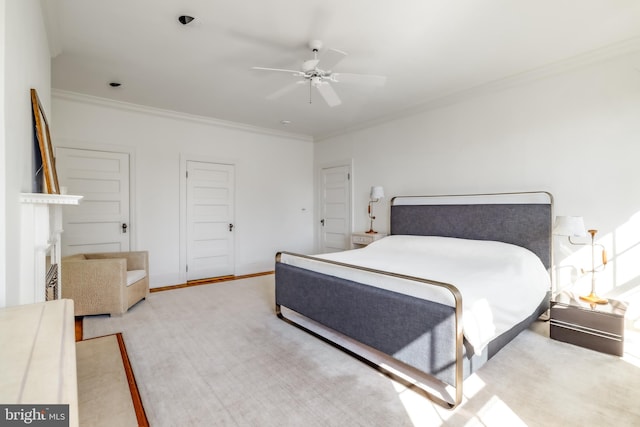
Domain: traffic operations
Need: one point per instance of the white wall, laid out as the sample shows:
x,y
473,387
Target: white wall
x,y
25,64
3,162
576,135
274,178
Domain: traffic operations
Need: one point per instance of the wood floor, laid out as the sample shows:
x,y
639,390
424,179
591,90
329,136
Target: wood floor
x,y
78,328
133,387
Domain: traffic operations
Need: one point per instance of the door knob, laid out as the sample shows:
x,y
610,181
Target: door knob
x,y
124,228
230,227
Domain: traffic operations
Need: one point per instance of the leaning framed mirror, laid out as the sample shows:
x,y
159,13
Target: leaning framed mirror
x,y
47,167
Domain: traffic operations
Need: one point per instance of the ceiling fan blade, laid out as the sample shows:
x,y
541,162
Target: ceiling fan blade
x,y
330,58
364,79
309,65
267,42
295,72
330,96
288,88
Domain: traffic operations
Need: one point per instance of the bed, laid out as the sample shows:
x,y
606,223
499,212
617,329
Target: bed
x,y
456,280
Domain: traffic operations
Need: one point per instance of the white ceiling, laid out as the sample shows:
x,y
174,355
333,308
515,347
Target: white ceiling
x,y
428,49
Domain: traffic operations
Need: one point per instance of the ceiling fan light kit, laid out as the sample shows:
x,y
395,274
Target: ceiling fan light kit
x,y
321,78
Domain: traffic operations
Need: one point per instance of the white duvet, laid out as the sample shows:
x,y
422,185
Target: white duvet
x,y
501,284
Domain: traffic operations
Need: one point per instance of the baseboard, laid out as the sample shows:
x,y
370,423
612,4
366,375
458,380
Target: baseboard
x,y
208,281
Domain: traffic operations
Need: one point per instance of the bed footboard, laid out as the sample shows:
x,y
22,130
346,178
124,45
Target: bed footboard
x,y
423,335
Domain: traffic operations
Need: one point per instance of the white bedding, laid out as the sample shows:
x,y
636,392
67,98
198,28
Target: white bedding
x,y
501,284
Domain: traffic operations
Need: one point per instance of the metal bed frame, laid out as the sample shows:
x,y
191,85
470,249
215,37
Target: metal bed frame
x,y
457,298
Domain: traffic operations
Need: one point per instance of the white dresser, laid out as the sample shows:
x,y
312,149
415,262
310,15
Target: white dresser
x,y
38,355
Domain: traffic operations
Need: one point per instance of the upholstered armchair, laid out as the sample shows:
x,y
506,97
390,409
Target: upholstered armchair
x,y
105,283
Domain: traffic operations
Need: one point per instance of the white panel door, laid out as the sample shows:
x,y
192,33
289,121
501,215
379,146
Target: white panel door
x,y
210,210
335,223
100,223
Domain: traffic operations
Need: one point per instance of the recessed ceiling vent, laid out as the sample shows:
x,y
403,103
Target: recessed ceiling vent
x,y
185,19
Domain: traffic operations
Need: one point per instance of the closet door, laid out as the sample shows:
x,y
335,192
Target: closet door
x,y
210,220
100,223
335,208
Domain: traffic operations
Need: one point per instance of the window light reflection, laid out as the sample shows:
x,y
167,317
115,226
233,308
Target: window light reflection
x,y
622,271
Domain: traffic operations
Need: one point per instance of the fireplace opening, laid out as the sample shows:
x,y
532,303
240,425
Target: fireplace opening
x,y
51,283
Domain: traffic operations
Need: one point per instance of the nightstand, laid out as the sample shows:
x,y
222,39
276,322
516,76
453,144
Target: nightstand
x,y
360,240
597,327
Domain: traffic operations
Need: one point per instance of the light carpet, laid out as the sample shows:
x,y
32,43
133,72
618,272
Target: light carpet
x,y
216,355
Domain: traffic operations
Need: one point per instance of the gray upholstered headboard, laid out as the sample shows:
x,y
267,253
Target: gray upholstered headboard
x,y
523,219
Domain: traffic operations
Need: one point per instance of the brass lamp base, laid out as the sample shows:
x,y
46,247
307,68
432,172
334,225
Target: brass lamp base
x,y
594,299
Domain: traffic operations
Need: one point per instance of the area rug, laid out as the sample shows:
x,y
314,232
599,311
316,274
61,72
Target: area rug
x,y
216,355
104,389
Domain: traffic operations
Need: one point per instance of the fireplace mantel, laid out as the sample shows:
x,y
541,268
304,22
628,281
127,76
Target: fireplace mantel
x,y
40,241
49,199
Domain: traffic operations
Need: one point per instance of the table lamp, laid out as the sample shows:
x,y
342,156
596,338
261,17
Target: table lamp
x,y
376,194
573,226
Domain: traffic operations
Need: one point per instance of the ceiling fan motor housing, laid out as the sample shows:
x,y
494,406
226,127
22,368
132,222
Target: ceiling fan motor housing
x,y
315,45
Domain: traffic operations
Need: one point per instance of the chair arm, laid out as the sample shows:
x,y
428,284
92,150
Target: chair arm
x,y
135,260
138,261
94,276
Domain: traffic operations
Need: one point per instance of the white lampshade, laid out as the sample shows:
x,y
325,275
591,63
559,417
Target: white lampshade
x,y
572,226
377,192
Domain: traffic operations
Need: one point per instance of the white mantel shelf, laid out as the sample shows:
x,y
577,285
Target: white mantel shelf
x,y
49,199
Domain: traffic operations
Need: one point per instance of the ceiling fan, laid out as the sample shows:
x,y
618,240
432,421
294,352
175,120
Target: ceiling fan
x,y
319,73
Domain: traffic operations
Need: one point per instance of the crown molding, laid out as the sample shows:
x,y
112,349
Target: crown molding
x,y
126,106
595,56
